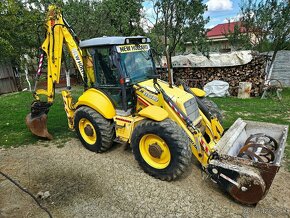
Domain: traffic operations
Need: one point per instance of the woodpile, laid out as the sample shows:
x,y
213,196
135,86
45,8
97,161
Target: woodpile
x,y
253,72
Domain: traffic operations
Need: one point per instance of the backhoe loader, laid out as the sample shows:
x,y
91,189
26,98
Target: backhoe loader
x,y
124,100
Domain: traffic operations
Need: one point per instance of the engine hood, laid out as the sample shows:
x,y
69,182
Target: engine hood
x,y
175,93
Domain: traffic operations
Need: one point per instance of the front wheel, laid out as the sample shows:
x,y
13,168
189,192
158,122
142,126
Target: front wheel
x,y
213,108
94,131
161,148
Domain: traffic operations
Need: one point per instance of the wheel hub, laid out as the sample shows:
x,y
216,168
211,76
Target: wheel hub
x,y
155,150
89,130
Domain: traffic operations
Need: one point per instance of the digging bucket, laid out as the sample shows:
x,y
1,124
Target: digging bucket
x,y
36,121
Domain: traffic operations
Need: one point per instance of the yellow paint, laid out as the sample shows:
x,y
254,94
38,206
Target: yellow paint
x,y
198,92
125,125
123,129
155,162
98,101
154,113
40,92
179,96
89,67
83,123
217,129
181,87
141,103
57,34
69,107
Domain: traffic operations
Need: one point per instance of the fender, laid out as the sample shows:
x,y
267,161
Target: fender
x,y
98,101
154,112
198,92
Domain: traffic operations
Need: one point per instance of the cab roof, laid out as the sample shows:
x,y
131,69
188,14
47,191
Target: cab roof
x,y
110,40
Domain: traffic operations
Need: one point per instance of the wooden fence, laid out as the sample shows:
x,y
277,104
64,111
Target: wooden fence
x,y
9,81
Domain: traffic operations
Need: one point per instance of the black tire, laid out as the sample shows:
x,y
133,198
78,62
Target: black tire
x,y
213,108
103,128
177,143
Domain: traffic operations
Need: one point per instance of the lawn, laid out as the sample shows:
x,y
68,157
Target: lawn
x,y
15,106
265,110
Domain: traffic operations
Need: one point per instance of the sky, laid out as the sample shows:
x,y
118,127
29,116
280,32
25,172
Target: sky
x,y
219,11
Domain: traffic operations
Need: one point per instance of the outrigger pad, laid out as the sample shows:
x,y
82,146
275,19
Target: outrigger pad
x,y
37,125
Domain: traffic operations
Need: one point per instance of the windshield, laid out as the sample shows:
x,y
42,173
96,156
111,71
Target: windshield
x,y
138,65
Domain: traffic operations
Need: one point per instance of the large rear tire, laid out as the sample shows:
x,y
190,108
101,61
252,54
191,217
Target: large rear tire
x,y
161,148
94,131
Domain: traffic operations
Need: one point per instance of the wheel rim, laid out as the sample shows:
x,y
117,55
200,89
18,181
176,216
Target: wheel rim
x,y
87,131
154,151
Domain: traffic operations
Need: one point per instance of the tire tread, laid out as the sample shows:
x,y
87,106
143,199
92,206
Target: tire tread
x,y
177,138
105,126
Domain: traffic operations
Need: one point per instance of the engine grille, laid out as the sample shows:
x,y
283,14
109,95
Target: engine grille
x,y
191,108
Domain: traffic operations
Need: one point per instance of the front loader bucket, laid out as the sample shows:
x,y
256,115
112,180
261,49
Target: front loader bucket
x,y
37,119
247,174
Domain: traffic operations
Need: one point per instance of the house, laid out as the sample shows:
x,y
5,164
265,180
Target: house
x,y
217,36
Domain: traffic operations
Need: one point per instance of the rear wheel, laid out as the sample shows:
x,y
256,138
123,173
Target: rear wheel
x,y
95,132
161,148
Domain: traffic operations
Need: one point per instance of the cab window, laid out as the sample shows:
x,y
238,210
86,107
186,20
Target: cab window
x,y
105,74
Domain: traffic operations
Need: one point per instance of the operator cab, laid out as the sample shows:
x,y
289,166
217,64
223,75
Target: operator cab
x,y
115,64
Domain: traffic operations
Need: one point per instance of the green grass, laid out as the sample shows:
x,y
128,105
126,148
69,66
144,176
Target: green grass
x,y
13,130
15,107
256,109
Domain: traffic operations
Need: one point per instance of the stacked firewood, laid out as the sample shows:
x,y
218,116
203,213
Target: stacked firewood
x,y
253,72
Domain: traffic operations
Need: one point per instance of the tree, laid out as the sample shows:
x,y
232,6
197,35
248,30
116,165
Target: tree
x,y
269,22
121,17
18,29
83,17
177,21
239,38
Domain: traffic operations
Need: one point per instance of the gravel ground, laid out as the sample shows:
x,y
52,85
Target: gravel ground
x,y
86,184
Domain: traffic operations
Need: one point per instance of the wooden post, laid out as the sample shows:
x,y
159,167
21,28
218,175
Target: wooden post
x,y
168,59
244,89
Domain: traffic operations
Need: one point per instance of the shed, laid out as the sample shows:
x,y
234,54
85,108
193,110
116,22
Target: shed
x,y
281,68
8,79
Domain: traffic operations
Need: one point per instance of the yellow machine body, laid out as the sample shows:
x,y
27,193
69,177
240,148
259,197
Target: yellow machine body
x,y
153,106
174,119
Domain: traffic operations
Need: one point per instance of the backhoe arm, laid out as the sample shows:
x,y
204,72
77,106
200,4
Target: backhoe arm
x,y
58,32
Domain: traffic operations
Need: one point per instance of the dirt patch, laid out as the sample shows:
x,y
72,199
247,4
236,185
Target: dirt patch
x,y
86,184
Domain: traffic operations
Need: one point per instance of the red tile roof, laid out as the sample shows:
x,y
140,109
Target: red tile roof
x,y
224,28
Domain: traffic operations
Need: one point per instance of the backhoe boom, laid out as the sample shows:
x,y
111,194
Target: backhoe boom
x,y
58,32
